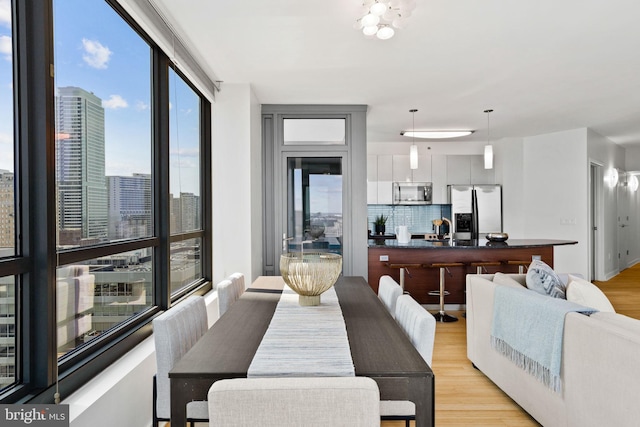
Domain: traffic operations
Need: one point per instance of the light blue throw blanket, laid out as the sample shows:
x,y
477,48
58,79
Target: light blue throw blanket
x,y
528,327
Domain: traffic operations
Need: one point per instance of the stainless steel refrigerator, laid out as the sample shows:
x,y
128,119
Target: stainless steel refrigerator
x,y
476,210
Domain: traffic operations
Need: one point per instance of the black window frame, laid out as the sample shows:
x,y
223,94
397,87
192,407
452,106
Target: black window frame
x,y
36,258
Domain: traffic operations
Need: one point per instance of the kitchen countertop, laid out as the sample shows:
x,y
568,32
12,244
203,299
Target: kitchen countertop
x,y
471,244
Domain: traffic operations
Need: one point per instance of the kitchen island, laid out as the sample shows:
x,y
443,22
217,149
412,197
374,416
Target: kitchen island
x,y
387,257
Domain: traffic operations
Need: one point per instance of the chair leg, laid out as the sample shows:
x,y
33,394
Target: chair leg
x,y
155,397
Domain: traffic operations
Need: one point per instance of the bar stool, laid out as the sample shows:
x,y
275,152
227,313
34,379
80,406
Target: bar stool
x,y
482,265
404,267
441,316
523,265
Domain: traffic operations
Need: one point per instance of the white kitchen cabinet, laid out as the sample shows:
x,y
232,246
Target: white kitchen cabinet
x,y
372,179
468,169
385,179
439,178
401,169
423,173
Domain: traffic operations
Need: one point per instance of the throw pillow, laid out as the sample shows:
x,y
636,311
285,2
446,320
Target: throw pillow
x,y
506,280
542,279
586,293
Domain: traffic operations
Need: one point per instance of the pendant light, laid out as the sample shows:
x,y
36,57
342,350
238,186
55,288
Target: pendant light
x,y
488,149
413,151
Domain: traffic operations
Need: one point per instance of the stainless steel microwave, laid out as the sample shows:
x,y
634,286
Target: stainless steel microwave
x,y
412,193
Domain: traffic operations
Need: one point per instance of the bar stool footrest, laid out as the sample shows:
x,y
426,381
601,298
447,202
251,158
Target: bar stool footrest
x,y
437,293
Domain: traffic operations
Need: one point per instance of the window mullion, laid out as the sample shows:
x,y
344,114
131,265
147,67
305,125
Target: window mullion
x,y
35,133
160,144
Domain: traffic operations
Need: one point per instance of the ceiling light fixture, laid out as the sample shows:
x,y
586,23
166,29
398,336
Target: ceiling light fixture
x,y
380,17
436,134
488,149
413,151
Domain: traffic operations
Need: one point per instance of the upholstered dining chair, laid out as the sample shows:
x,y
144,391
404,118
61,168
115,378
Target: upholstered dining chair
x,y
388,291
229,290
238,282
283,402
175,332
420,327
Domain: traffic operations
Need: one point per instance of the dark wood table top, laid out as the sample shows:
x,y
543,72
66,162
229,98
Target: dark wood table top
x,y
379,347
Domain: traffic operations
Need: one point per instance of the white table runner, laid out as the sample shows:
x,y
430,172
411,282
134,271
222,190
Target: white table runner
x,y
304,341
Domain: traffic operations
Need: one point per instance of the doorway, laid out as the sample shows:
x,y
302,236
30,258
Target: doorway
x,y
595,227
315,183
314,204
623,224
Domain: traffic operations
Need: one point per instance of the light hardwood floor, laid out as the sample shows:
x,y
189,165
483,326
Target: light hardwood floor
x,y
465,397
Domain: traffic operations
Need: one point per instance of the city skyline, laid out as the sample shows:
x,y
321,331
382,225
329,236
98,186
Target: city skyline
x,y
117,70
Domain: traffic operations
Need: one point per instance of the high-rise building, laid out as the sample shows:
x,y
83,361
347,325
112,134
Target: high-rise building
x,y
186,212
129,206
80,167
7,210
7,284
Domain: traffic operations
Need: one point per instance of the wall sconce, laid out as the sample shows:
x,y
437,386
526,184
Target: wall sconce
x,y
633,183
612,177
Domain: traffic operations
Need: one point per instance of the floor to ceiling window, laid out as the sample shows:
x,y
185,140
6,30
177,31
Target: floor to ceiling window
x,y
96,238
103,169
184,182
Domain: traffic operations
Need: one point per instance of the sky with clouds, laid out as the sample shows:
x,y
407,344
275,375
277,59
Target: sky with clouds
x,y
97,51
6,88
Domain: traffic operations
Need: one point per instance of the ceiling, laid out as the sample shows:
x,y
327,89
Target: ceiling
x,y
543,66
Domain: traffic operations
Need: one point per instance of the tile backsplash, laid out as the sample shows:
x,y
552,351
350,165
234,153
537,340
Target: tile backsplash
x,y
417,218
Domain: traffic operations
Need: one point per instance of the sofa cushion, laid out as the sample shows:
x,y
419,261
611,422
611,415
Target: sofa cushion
x,y
542,279
586,293
506,280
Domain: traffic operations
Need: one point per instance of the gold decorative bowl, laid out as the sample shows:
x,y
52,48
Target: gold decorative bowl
x,y
497,237
310,274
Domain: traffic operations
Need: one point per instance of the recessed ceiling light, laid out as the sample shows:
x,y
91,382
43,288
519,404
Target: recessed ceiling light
x,y
436,134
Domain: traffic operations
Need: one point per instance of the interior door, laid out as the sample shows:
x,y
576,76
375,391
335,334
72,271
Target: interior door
x,y
595,180
623,227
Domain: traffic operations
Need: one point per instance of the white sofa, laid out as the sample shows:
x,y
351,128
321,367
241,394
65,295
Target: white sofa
x,y
600,370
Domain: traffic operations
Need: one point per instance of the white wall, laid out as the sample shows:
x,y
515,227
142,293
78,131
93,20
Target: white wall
x,y
545,191
426,147
509,164
603,152
632,159
237,178
634,210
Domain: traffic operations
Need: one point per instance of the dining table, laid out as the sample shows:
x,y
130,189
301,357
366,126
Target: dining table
x,y
379,347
